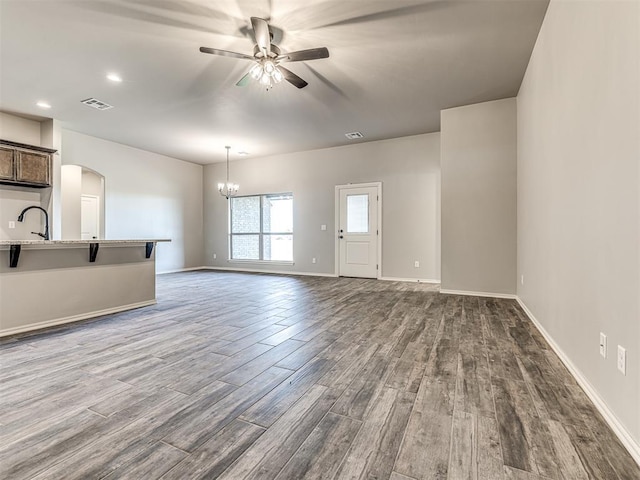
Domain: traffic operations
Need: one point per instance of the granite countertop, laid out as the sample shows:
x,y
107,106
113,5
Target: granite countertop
x,y
101,241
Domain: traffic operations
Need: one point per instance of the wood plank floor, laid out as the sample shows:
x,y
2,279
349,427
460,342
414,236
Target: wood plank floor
x,y
241,376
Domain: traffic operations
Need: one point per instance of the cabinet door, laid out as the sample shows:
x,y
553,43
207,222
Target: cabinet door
x,y
33,167
7,167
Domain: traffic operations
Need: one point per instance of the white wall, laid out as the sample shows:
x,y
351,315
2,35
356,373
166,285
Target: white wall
x,y
579,192
147,196
409,169
478,156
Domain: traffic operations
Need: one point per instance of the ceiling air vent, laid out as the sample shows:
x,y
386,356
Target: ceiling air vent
x,y
97,104
353,135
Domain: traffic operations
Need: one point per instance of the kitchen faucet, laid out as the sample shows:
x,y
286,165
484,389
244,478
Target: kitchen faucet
x,y
44,235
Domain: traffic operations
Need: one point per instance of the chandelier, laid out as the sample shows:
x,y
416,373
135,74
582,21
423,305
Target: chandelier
x,y
228,189
266,72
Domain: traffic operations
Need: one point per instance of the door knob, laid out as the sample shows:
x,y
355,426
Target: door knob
x,y
340,236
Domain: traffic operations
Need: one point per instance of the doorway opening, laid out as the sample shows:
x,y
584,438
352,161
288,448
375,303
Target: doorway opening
x,y
89,217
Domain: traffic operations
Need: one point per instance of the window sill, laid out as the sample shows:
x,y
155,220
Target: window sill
x,y
262,262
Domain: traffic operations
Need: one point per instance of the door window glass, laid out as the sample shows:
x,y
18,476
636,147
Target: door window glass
x,y
358,213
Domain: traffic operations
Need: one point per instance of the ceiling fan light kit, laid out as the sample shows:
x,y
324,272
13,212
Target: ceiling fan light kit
x,y
268,57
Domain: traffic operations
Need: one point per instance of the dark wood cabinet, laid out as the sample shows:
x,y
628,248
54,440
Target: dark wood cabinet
x,y
25,165
7,163
33,167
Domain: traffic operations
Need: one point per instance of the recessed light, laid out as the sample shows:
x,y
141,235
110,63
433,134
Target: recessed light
x,y
243,154
114,77
43,105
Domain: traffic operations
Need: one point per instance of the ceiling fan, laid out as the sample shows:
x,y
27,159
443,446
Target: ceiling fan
x,y
268,57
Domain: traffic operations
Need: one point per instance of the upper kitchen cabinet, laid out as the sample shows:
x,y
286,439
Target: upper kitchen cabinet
x,y
7,163
33,167
25,165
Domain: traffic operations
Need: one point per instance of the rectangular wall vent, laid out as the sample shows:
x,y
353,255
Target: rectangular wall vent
x,y
353,135
97,104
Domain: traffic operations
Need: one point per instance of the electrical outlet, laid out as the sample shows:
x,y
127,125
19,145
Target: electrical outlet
x,y
323,227
603,345
12,224
313,260
215,256
622,360
416,264
521,279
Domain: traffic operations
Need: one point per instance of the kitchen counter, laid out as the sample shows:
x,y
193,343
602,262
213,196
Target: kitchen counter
x,y
101,241
44,283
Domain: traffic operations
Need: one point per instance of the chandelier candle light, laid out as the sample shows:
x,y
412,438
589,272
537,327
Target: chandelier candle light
x,y
228,189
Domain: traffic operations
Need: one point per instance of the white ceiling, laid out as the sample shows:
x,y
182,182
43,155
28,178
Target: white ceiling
x,y
394,65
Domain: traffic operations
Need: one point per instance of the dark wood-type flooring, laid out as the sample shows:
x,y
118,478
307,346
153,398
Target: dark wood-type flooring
x,y
240,376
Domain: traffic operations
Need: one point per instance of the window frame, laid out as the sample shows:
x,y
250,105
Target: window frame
x,y
261,234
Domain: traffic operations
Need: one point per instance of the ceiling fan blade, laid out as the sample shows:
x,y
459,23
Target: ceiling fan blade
x,y
301,55
225,53
244,81
424,7
292,78
261,31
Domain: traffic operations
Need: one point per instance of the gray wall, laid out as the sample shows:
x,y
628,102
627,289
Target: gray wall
x,y
409,169
478,156
18,129
56,285
76,181
579,192
93,184
70,201
14,199
146,196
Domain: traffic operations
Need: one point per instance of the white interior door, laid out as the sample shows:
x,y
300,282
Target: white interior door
x,y
358,214
89,217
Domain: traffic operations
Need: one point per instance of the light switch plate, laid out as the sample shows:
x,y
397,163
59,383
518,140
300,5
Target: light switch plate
x,y
323,227
12,224
603,345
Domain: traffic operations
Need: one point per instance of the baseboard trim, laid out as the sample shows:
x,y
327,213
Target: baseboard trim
x,y
180,270
414,280
74,318
618,428
276,272
306,274
478,294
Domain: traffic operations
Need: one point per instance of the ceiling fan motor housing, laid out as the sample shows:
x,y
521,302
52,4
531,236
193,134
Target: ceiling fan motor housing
x,y
258,53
